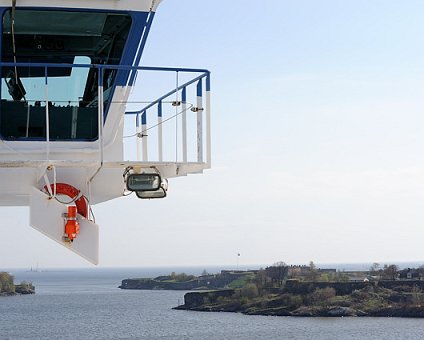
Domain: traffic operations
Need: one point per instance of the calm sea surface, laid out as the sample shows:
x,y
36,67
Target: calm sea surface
x,y
86,304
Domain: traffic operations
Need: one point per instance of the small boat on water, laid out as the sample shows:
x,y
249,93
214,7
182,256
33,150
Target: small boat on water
x,y
74,130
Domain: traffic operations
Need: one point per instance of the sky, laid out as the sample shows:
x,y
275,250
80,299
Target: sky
x,y
318,144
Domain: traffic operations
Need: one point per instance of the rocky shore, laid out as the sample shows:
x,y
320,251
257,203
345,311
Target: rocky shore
x,y
24,289
308,299
9,288
20,290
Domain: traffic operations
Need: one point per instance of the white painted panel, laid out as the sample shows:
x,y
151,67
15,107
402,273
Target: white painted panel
x,y
139,5
46,217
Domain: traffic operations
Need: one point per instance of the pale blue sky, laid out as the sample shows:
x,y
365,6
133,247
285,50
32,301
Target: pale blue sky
x,y
317,141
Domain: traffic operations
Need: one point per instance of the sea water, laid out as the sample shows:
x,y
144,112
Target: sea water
x,y
86,304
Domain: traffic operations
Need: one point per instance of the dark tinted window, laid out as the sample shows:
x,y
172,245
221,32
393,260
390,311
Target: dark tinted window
x,y
57,37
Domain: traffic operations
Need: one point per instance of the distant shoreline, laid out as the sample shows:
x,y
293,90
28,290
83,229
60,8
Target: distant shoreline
x,y
182,281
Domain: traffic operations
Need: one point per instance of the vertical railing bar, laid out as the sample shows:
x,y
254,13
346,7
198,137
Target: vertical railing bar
x,y
160,134
27,120
208,123
176,116
184,122
47,114
138,131
100,111
144,135
100,124
199,122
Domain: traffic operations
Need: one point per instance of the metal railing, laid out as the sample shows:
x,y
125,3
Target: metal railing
x,y
200,82
201,108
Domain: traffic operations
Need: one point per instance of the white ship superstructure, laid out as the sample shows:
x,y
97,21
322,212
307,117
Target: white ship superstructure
x,y
69,72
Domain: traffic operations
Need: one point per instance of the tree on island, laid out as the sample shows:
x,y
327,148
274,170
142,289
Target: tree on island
x,y
390,272
6,283
313,272
416,296
375,269
278,273
250,291
182,277
261,280
340,276
420,271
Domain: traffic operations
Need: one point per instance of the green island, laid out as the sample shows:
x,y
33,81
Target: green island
x,y
308,291
9,288
182,281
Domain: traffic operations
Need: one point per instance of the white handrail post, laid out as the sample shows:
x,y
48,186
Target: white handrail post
x,y
100,112
100,118
144,135
184,122
199,122
208,122
138,130
160,140
47,115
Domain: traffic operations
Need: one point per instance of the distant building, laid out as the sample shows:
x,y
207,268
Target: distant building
x,y
409,274
294,270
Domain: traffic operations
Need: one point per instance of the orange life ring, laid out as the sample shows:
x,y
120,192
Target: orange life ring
x,y
72,192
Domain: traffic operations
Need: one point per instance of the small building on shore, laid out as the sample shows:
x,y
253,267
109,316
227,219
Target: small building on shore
x,y
409,274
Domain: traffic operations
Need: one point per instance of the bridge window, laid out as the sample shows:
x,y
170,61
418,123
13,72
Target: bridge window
x,y
73,39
